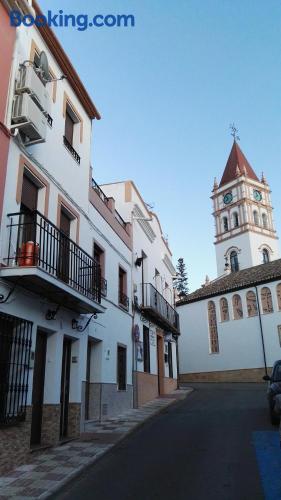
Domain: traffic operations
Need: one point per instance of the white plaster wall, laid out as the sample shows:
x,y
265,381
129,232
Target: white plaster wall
x,y
240,343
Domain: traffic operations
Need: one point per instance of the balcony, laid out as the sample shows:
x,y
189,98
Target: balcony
x,y
71,150
99,192
156,307
42,259
123,300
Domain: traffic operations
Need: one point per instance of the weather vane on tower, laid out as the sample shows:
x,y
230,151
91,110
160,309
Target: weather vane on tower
x,y
234,131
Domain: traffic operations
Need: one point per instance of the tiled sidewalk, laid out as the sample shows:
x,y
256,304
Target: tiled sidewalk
x,y
51,469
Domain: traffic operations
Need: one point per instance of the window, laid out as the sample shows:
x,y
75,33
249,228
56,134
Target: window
x,y
225,224
213,328
121,368
265,256
237,307
15,345
235,219
266,300
29,199
256,218
252,306
69,127
170,359
278,289
264,221
99,257
123,299
146,350
224,309
234,263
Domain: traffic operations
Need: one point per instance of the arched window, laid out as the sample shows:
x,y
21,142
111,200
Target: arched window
x,y
266,300
235,219
225,224
278,289
224,309
237,307
265,256
213,327
252,303
256,218
264,220
234,264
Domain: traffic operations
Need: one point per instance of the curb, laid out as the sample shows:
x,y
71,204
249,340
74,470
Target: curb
x,y
83,468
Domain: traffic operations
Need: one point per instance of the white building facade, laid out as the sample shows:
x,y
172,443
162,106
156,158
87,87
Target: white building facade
x,y
155,320
65,326
231,327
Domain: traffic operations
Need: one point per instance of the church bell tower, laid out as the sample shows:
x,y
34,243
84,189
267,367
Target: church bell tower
x,y
245,233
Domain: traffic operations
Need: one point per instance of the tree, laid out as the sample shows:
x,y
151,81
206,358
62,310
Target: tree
x,y
181,283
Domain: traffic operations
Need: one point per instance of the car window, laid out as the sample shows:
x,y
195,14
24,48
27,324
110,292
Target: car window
x,y
277,373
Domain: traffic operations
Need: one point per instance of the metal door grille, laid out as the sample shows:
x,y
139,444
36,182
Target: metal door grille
x,y
15,346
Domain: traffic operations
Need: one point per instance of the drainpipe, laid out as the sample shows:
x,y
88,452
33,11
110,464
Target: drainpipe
x,y
261,331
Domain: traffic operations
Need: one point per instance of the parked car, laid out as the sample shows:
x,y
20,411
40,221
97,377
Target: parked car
x,y
274,388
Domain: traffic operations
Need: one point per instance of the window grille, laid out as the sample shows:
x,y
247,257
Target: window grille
x,y
15,346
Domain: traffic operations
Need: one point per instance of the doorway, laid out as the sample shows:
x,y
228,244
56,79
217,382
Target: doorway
x,y
64,247
65,382
160,364
88,380
38,387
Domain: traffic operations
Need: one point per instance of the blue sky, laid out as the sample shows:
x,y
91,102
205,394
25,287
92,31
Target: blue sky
x,y
167,91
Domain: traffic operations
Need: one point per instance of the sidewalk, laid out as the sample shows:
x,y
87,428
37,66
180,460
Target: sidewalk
x,y
48,471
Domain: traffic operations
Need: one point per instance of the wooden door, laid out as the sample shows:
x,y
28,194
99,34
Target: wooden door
x,y
38,387
88,378
64,247
65,381
160,364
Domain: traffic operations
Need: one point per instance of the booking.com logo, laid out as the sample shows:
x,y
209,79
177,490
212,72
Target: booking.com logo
x,y
80,21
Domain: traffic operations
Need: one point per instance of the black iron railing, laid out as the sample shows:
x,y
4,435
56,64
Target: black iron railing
x,y
15,346
49,120
123,300
36,241
120,220
154,301
103,287
71,149
99,192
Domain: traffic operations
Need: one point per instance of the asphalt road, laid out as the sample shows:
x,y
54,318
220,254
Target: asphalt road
x,y
200,448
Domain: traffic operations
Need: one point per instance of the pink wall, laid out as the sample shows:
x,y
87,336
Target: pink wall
x,y
7,40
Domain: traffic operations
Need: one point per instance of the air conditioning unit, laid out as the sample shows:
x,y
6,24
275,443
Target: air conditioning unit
x,y
29,119
29,82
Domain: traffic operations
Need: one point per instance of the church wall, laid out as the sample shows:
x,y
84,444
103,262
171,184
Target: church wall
x,y
240,346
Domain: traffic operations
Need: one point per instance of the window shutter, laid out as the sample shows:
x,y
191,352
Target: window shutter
x,y
29,195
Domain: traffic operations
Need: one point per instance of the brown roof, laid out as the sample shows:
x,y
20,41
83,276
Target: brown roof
x,y
236,158
67,68
246,278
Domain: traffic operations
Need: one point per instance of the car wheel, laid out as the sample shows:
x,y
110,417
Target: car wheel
x,y
275,419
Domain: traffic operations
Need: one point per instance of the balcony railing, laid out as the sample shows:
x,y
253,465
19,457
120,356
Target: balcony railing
x,y
159,308
123,300
99,192
71,150
120,220
49,120
34,241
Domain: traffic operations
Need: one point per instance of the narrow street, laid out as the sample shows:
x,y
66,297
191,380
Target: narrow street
x,y
202,447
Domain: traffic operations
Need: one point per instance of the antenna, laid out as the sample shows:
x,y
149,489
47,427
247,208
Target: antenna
x,y
234,131
44,67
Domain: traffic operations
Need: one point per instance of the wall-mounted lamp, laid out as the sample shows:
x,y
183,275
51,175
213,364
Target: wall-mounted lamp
x,y
138,261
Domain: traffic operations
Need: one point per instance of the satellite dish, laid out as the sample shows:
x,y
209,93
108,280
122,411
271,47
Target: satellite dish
x,y
44,66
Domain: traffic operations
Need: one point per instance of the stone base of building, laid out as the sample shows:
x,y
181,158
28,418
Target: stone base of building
x,y
106,401
15,443
50,430
242,375
147,387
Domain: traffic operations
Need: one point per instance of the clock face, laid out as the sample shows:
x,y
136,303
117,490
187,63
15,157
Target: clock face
x,y
257,195
227,198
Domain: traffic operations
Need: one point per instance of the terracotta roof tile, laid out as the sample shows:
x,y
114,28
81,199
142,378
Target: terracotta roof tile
x,y
236,158
246,278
